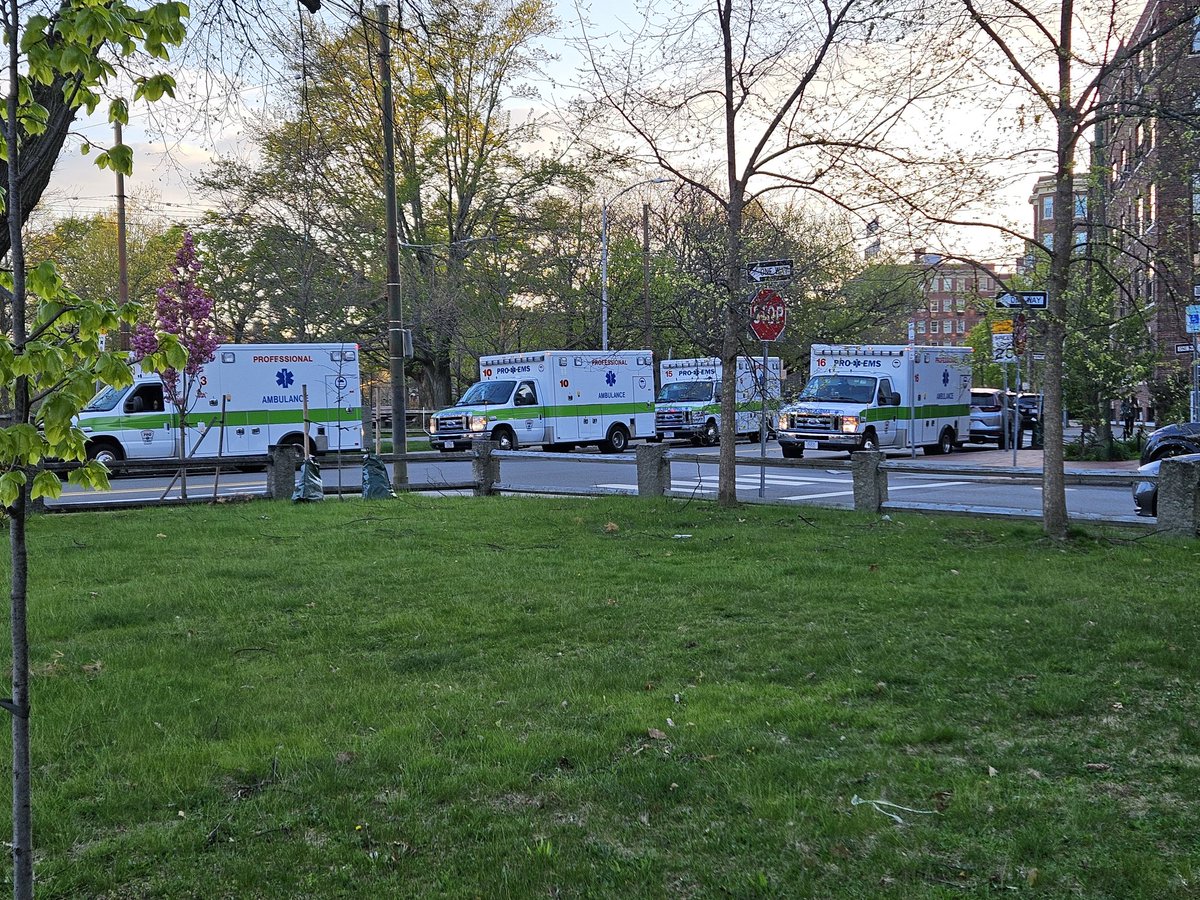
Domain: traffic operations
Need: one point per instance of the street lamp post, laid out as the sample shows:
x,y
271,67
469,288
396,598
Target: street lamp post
x,y
604,255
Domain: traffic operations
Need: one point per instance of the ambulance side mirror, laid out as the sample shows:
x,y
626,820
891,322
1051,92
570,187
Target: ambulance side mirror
x,y
894,399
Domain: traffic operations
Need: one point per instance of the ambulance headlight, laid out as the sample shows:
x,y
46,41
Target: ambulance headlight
x,y
849,424
432,425
479,423
783,420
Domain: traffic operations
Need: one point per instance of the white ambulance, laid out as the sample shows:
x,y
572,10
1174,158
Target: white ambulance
x,y
689,397
556,398
247,398
880,397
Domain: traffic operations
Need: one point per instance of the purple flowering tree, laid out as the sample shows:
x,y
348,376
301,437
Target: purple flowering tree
x,y
183,309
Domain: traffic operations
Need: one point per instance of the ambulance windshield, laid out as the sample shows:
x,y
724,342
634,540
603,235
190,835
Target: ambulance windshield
x,y
686,391
487,392
106,400
839,389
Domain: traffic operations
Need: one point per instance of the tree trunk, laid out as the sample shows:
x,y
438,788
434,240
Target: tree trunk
x,y
727,468
18,705
1054,494
39,153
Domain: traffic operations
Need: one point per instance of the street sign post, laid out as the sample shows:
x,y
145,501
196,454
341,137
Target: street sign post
x,y
1183,348
768,315
1193,319
1002,348
1022,300
765,270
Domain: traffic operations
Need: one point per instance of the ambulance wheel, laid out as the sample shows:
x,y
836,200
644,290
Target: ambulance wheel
x,y
870,441
297,441
792,451
944,445
617,441
504,438
105,452
710,435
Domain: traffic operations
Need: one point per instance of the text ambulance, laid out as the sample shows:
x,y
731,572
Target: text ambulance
x,y
689,397
556,398
247,398
880,397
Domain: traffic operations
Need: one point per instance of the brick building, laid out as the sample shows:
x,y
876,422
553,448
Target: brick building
x,y
957,296
1146,176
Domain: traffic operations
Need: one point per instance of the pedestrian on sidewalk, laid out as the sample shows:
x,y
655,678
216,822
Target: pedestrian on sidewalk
x,y
1127,418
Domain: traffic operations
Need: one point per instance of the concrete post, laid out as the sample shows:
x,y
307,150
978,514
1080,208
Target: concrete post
x,y
1179,497
870,480
281,470
485,468
653,470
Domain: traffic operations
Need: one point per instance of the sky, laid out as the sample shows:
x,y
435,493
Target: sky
x,y
172,144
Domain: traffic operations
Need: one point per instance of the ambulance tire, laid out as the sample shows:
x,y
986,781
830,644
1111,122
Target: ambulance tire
x,y
711,434
617,441
870,441
297,441
792,451
106,452
944,445
504,438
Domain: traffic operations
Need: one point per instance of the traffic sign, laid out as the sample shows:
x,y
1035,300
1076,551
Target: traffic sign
x,y
1021,300
1002,348
1184,348
769,270
1193,319
768,315
1003,326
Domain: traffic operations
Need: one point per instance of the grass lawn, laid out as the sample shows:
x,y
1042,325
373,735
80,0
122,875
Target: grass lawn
x,y
608,697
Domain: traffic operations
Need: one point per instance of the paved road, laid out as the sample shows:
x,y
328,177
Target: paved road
x,y
831,487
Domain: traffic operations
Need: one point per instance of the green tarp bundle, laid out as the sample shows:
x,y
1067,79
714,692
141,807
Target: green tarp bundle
x,y
308,482
376,483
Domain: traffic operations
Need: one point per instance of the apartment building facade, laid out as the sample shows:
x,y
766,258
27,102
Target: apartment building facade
x,y
957,297
1146,177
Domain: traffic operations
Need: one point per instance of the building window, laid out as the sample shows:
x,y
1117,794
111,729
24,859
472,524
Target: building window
x,y
947,304
920,326
1048,240
987,282
1196,194
1047,207
933,306
960,304
948,326
962,327
1196,34
934,326
1151,205
1081,206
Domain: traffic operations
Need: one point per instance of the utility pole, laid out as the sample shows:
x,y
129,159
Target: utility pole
x,y
122,258
647,311
395,325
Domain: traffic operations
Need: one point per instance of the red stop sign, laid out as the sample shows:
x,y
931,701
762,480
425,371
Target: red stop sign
x,y
768,315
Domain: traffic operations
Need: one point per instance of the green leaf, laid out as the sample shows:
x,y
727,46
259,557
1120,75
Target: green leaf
x,y
46,484
120,159
10,487
118,111
45,281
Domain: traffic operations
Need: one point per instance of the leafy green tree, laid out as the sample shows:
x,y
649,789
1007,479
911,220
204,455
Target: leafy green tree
x,y
50,360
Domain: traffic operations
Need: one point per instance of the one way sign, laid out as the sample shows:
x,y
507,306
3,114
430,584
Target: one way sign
x,y
769,270
1021,299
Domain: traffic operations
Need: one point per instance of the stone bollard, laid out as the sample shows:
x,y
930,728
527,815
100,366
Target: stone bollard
x,y
281,470
1179,497
870,480
485,468
653,470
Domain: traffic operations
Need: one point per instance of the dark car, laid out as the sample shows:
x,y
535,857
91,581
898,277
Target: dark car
x,y
1030,406
1172,440
1145,493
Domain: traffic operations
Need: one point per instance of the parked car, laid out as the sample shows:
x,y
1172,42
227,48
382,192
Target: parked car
x,y
987,417
1030,406
1145,493
1172,440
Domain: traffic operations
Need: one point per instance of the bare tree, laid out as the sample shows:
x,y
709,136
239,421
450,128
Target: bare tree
x,y
741,101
